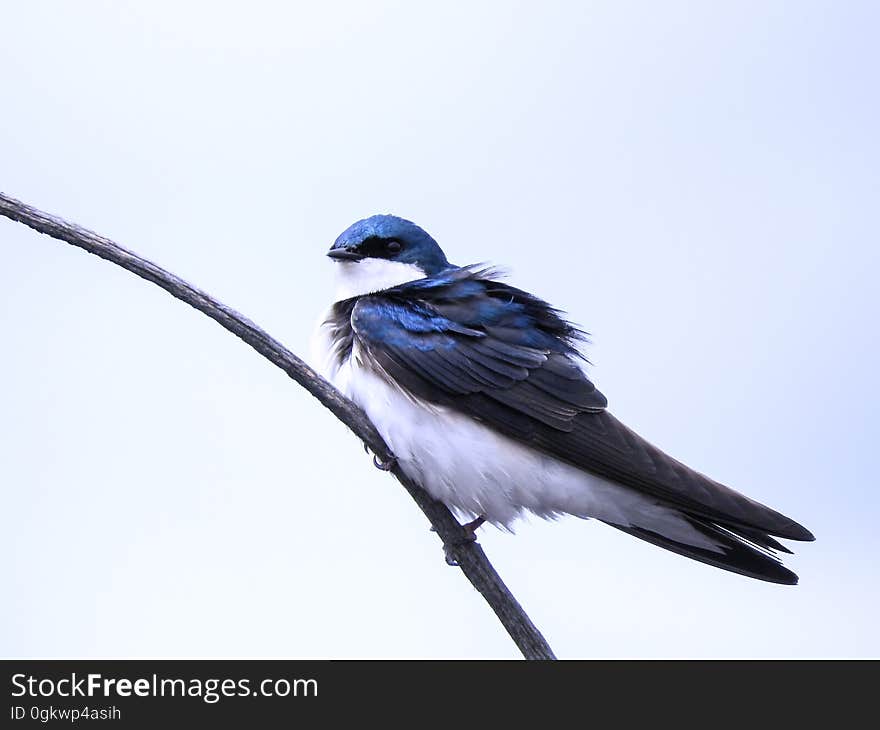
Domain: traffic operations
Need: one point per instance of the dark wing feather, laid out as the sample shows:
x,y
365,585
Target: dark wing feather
x,y
603,445
509,360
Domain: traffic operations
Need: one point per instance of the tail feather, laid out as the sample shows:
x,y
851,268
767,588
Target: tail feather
x,y
762,540
748,552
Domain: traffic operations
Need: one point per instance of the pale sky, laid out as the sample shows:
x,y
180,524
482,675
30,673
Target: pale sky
x,y
696,184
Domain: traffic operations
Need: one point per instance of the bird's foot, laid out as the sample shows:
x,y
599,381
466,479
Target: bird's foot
x,y
379,463
384,465
470,529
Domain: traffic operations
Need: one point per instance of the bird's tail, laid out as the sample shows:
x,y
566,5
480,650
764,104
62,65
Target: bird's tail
x,y
740,550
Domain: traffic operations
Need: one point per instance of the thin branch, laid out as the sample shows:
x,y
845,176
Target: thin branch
x,y
468,554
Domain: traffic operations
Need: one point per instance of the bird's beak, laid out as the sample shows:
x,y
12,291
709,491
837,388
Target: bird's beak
x,y
344,254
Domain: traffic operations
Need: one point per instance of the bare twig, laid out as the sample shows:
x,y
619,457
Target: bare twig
x,y
467,553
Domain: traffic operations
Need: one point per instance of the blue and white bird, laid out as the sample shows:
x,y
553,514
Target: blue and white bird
x,y
479,390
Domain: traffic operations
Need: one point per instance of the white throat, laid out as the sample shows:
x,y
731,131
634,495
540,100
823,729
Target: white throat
x,y
356,278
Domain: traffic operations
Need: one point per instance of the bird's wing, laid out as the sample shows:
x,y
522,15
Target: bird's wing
x,y
508,360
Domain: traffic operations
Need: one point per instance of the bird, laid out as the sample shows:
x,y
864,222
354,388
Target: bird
x,y
481,392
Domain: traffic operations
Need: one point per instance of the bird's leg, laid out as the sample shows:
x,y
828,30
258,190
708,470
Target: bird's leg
x,y
470,529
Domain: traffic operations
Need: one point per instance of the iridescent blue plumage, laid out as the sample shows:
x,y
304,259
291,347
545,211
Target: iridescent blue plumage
x,y
369,234
463,332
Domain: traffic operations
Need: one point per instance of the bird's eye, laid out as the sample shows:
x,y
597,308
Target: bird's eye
x,y
393,247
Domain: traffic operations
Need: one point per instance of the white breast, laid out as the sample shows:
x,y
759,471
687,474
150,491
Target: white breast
x,y
477,471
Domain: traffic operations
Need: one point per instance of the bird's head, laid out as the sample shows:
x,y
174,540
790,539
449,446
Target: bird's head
x,y
381,252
